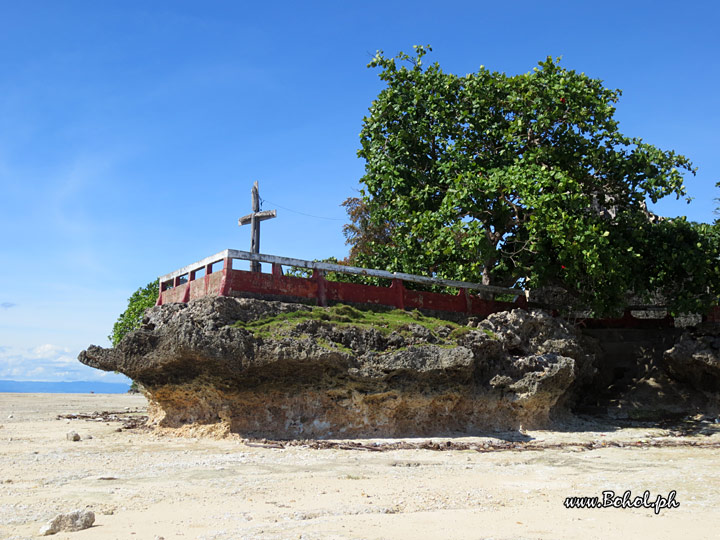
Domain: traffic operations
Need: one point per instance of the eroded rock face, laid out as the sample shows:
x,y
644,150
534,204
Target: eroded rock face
x,y
695,359
653,374
345,377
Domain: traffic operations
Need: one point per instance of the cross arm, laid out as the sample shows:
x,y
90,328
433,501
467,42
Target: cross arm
x,y
260,216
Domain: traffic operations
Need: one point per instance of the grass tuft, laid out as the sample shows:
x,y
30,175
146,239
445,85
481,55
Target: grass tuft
x,y
342,315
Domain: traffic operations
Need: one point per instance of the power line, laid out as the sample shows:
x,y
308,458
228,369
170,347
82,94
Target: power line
x,y
296,212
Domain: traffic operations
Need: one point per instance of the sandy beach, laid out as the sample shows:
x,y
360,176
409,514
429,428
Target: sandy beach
x,y
149,485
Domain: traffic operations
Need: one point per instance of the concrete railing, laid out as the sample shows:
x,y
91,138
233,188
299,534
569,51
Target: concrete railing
x,y
207,277
230,254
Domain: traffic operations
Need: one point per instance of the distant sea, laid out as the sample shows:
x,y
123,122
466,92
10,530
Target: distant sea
x,y
65,387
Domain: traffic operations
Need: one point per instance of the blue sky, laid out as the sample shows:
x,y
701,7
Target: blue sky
x,y
131,132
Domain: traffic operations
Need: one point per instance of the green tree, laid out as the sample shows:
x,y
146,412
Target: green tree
x,y
362,233
298,271
506,179
130,319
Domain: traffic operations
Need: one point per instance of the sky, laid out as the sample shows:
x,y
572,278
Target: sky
x,y
131,132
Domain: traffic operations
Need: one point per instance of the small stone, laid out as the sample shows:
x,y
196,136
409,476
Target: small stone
x,y
72,436
77,520
10,416
87,437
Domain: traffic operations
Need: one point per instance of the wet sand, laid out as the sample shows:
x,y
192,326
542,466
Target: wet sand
x,y
148,485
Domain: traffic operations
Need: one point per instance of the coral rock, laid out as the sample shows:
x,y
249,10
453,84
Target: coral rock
x,y
72,521
341,372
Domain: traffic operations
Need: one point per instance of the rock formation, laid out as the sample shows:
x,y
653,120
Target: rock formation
x,y
695,359
281,370
656,374
77,520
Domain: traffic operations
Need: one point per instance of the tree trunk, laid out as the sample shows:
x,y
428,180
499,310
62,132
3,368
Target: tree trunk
x,y
486,275
485,281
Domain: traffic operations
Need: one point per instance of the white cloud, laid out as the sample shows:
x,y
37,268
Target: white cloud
x,y
39,371
49,362
48,351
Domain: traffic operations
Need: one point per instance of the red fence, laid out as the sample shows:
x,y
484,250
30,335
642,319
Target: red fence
x,y
207,278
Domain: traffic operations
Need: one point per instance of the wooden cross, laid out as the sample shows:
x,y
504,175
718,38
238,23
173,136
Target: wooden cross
x,y
254,220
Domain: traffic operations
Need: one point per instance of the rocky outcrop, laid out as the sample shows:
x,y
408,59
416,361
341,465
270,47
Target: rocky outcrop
x,y
272,369
695,359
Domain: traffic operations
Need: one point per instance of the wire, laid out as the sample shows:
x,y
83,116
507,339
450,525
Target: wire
x,y
296,212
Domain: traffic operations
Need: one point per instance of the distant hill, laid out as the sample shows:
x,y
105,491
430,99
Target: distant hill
x,y
64,387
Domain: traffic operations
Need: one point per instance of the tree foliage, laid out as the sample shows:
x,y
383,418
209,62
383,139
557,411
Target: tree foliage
x,y
527,178
362,233
307,273
130,319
